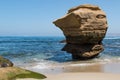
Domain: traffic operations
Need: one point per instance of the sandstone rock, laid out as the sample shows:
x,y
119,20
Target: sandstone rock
x,y
84,27
86,51
63,41
5,62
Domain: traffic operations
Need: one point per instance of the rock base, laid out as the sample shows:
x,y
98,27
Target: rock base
x,y
86,51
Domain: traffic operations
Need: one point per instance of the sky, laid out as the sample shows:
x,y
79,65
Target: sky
x,y
35,17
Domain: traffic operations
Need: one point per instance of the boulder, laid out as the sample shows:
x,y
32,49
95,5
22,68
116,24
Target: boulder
x,y
5,62
16,73
9,72
84,27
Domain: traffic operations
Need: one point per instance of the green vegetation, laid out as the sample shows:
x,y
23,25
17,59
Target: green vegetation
x,y
30,74
5,62
12,73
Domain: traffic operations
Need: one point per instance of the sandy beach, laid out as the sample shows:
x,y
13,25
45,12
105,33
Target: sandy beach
x,y
84,76
78,67
109,71
81,76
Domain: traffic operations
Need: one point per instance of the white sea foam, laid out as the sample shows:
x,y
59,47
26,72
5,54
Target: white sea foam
x,y
41,66
35,59
118,58
82,64
112,37
107,60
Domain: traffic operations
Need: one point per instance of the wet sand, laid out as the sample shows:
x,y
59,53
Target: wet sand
x,y
107,71
76,67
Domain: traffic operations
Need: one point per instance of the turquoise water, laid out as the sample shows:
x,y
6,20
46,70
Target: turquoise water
x,y
43,51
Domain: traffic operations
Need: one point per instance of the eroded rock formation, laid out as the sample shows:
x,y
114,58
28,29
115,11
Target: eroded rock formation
x,y
84,27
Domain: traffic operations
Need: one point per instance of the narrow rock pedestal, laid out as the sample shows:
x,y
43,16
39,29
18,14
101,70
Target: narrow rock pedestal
x,y
84,27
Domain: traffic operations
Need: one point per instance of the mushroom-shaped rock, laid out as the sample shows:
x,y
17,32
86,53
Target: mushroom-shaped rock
x,y
84,27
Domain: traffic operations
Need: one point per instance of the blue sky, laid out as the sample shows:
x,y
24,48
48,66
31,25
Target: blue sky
x,y
35,17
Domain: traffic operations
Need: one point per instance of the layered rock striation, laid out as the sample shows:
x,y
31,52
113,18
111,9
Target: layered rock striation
x,y
84,27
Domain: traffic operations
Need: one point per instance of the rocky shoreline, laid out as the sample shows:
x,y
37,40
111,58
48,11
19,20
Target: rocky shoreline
x,y
10,72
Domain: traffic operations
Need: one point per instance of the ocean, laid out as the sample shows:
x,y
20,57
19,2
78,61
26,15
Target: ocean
x,y
44,52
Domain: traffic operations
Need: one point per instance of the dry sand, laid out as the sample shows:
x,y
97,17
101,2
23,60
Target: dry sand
x,y
84,76
81,76
28,79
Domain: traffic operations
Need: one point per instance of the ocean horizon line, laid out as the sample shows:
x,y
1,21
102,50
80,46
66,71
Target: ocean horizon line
x,y
108,34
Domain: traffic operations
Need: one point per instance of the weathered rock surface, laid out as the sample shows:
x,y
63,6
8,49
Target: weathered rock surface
x,y
14,73
5,62
63,41
8,72
84,27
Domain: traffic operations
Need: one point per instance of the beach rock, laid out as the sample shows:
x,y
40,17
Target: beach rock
x,y
84,27
16,73
5,62
83,52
